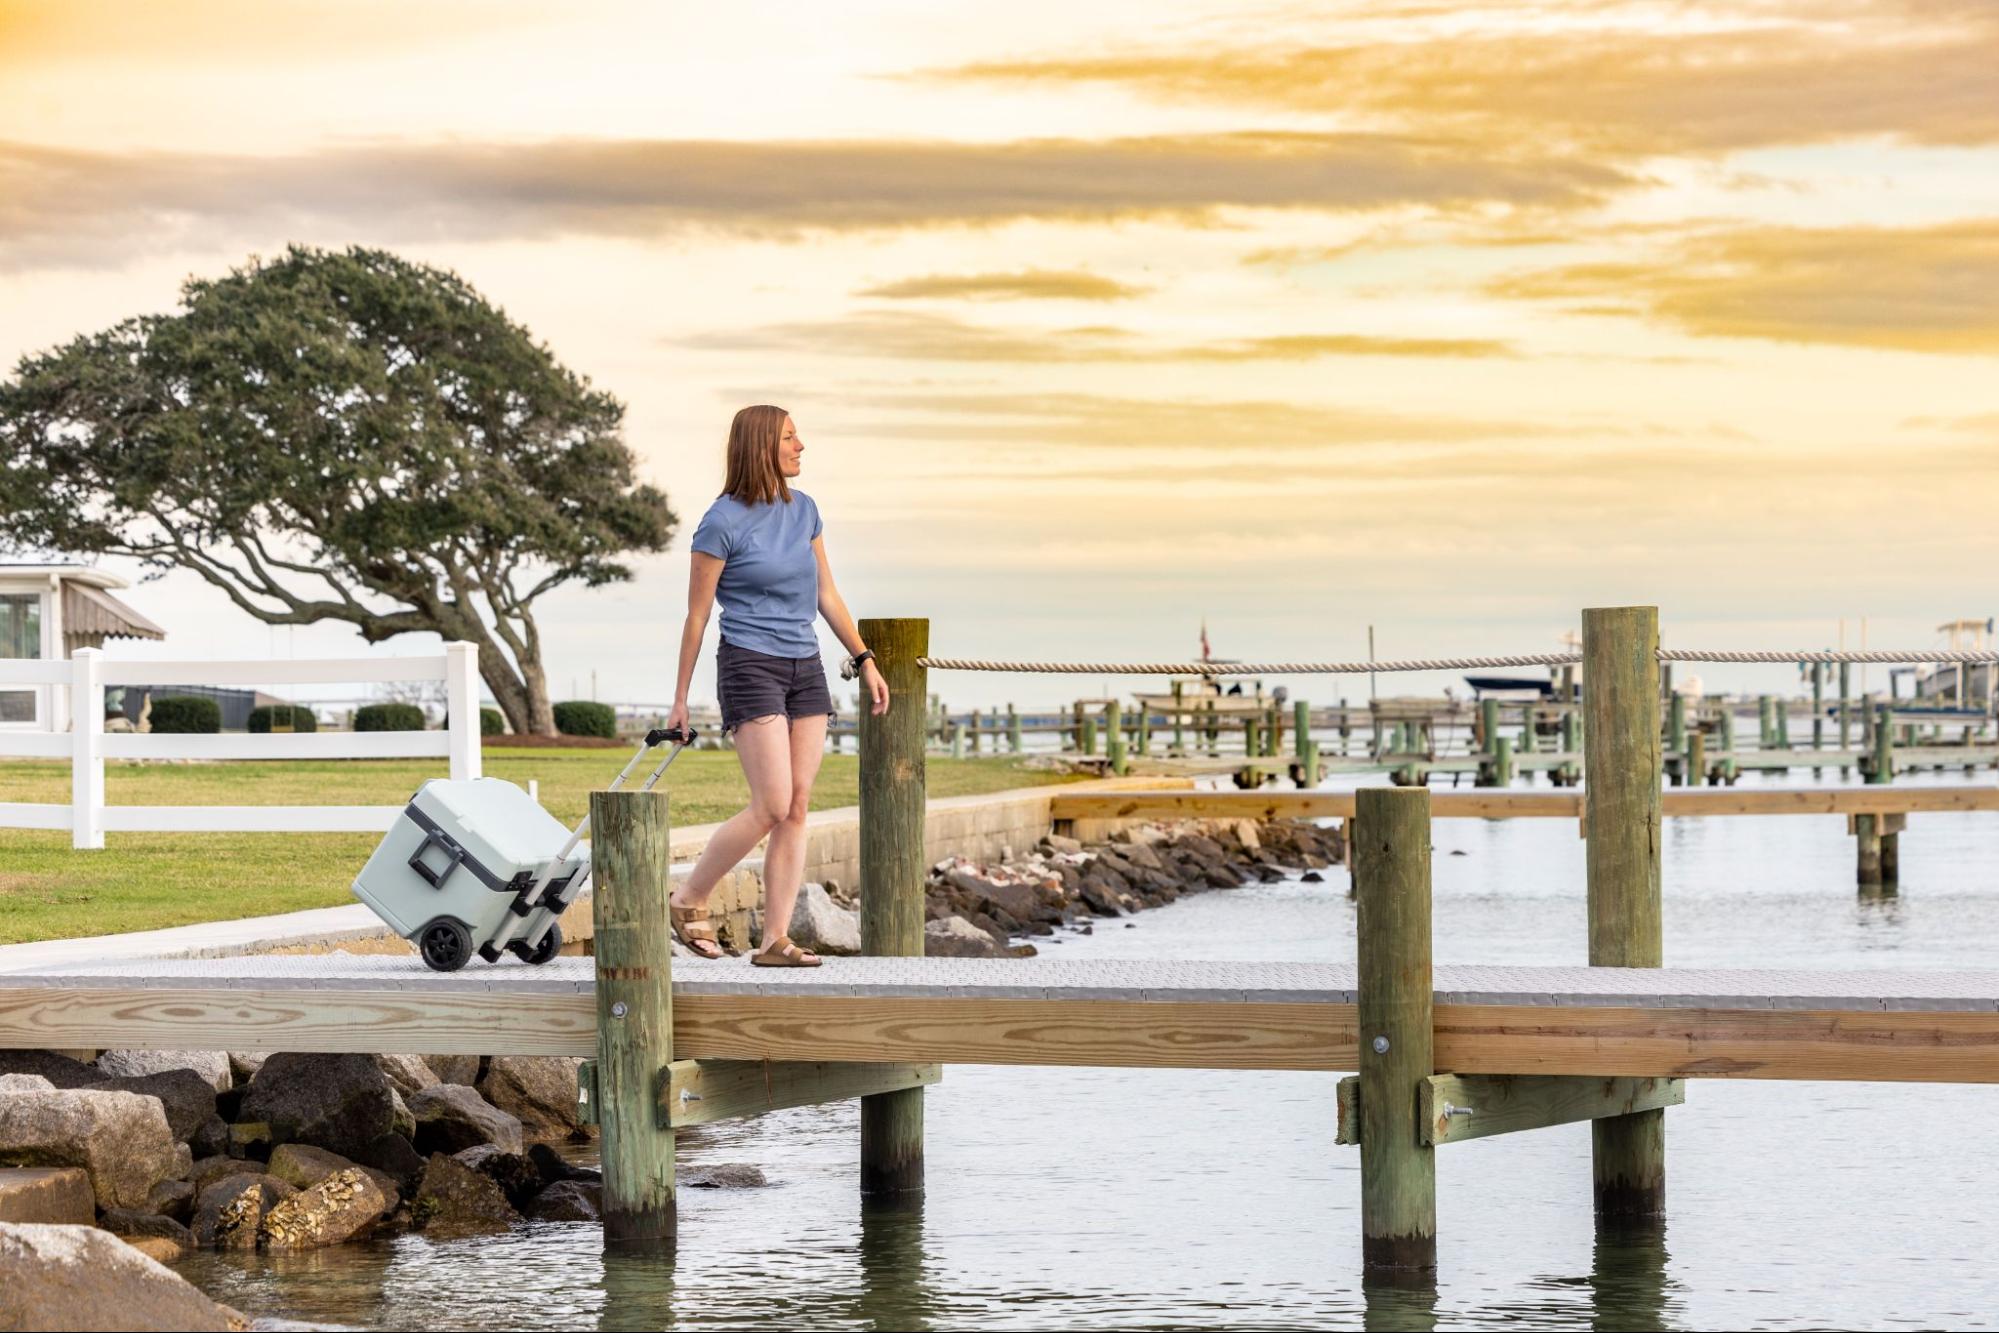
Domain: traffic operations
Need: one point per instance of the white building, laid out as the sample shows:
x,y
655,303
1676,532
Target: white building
x,y
50,611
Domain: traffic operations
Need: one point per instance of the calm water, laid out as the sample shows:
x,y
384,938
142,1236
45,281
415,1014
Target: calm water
x,y
1167,1199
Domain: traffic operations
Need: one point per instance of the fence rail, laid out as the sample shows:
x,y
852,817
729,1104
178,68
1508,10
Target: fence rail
x,y
87,745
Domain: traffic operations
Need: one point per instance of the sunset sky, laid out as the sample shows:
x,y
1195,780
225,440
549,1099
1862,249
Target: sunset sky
x,y
1099,319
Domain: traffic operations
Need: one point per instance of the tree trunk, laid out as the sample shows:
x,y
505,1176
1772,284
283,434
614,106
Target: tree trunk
x,y
541,712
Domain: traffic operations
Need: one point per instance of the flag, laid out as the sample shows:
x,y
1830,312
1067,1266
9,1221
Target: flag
x,y
1204,638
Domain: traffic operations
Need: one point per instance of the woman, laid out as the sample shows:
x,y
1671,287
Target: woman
x,y
758,551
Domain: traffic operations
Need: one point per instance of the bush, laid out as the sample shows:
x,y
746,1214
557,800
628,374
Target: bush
x,y
186,714
492,722
301,717
580,717
388,717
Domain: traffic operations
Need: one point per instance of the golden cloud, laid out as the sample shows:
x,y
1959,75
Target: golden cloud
x,y
64,205
1031,284
915,336
1698,77
1923,289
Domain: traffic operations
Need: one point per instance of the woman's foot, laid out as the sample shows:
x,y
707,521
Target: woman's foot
x,y
693,929
781,952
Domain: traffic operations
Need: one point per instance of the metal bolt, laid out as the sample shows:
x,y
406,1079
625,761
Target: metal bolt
x,y
618,1009
1380,1045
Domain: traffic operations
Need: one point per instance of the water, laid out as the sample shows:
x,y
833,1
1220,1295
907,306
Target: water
x,y
1175,1199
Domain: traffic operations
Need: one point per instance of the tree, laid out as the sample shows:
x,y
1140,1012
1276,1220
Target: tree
x,y
335,436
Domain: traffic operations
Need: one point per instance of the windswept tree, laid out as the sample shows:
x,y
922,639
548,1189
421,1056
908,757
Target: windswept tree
x,y
336,436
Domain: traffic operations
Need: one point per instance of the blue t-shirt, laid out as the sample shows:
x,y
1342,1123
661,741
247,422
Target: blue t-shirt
x,y
769,591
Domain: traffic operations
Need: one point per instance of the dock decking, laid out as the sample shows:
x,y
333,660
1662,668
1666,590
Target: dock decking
x,y
1641,1022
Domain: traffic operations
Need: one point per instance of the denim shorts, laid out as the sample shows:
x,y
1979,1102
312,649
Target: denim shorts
x,y
754,684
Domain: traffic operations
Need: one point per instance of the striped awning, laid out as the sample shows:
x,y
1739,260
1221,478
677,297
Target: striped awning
x,y
92,614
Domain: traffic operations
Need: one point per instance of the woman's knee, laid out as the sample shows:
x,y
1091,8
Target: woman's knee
x,y
768,811
801,804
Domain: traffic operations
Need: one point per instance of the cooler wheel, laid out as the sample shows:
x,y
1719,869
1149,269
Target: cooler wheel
x,y
550,946
445,943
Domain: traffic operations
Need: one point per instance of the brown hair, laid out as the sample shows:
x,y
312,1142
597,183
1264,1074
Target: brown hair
x,y
754,476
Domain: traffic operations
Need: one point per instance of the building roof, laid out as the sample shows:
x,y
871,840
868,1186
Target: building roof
x,y
87,575
93,611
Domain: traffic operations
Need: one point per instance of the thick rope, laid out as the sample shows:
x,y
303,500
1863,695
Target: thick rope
x,y
1938,655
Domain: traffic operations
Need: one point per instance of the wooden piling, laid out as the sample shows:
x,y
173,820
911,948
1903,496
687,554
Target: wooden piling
x,y
1696,758
975,731
1114,736
1845,700
634,965
1488,742
1179,736
1502,761
1818,705
1089,745
1728,765
1012,730
892,870
1145,729
1252,736
1623,804
1766,722
1571,742
1398,1173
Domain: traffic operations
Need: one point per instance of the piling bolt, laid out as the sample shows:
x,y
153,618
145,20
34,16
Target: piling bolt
x,y
1381,1045
618,1009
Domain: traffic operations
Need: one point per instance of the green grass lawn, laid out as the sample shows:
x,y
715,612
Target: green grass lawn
x,y
143,881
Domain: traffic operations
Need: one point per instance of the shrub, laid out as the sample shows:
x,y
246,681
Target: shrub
x,y
301,717
580,717
388,717
186,714
492,722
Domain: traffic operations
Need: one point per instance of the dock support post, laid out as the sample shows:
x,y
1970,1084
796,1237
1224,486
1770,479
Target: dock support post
x,y
1114,736
1077,733
1818,705
975,731
1624,803
1301,733
634,966
892,866
1252,736
1502,761
1676,738
1696,758
1728,765
1145,728
1012,730
1845,701
1571,742
1488,741
1878,854
1398,1173
1089,743
1179,736
1766,722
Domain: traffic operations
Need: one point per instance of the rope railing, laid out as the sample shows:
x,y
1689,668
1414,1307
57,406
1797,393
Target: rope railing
x,y
1940,656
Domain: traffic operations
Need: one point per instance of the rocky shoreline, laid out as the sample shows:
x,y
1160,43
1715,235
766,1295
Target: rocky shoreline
x,y
995,910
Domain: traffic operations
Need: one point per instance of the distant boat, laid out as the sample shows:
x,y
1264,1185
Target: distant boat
x,y
1541,688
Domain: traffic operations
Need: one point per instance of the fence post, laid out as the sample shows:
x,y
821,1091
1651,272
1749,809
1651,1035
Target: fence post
x,y
1623,801
461,702
634,966
86,760
1398,1173
893,861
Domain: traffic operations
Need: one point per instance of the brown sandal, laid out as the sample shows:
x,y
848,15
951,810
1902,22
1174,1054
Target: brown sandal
x,y
691,928
781,952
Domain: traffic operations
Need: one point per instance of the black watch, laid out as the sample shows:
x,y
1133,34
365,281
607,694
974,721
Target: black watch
x,y
852,667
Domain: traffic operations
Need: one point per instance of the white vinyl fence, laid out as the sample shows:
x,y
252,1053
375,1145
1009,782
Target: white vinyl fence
x,y
87,745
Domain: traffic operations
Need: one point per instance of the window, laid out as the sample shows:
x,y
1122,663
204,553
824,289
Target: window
x,y
20,636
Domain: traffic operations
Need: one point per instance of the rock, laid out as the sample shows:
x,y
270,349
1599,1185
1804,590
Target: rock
x,y
455,1200
119,1138
451,1117
1022,902
52,1194
55,1277
1055,842
955,937
172,1198
401,1120
250,1139
243,1065
211,1066
554,1167
25,1083
127,1223
397,1156
454,1068
159,1249
1247,834
537,1090
186,1095
211,1169
822,925
568,1201
1102,896
515,1173
228,1212
337,1208
407,1074
329,1101
1312,877
727,1176
59,1070
212,1139
302,1166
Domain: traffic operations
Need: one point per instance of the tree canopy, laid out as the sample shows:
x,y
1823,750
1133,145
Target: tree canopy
x,y
336,436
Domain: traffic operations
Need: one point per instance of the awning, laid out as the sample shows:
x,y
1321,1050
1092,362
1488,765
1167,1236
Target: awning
x,y
92,614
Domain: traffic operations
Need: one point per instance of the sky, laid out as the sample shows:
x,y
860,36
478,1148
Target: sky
x,y
1102,321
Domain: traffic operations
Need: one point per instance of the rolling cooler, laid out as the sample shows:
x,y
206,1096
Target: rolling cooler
x,y
480,867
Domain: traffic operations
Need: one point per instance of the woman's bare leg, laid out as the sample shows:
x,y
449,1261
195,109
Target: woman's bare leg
x,y
784,859
763,747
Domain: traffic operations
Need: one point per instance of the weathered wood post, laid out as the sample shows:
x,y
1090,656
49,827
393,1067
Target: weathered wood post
x,y
1179,719
892,866
1766,722
1488,741
1398,1173
1077,733
1301,740
1676,736
1571,742
1089,745
1144,728
1845,701
1818,705
1502,762
975,731
1252,736
1114,736
1728,765
1012,730
1623,803
1878,853
634,965
1696,757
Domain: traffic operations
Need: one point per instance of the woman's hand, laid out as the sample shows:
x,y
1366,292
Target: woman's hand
x,y
676,716
877,687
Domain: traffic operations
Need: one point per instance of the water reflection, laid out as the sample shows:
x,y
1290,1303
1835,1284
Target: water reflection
x,y
638,1289
1627,1282
896,1289
1400,1302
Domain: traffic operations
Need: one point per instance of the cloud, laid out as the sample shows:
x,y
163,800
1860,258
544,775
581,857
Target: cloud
x,y
917,336
60,205
1624,79
1923,289
1032,284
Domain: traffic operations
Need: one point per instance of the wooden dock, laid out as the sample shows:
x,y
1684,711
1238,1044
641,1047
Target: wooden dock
x,y
1597,1021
